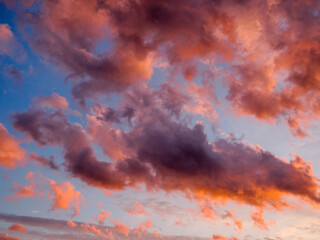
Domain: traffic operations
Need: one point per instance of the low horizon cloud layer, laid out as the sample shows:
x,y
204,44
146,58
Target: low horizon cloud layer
x,y
111,100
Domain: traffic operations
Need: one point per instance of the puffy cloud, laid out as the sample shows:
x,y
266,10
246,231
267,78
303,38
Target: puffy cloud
x,y
55,101
224,169
121,228
260,40
63,195
207,211
71,224
31,189
54,129
8,44
143,227
92,229
11,154
237,222
17,228
138,210
103,215
258,219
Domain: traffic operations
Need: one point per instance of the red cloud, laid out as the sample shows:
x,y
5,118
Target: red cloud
x,y
11,154
17,228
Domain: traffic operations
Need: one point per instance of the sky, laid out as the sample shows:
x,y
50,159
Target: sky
x,y
149,119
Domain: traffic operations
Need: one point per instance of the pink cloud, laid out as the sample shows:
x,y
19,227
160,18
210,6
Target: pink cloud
x,y
187,160
55,101
258,219
71,224
63,195
11,154
103,215
138,210
236,221
31,189
121,228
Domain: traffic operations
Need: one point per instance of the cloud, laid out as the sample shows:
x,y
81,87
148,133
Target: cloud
x,y
31,189
7,237
260,41
11,154
103,215
138,210
220,237
17,228
8,44
237,222
71,224
48,162
59,229
121,228
63,195
224,169
258,219
55,101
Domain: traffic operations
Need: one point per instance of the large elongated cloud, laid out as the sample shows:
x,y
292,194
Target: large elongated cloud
x,y
161,150
272,48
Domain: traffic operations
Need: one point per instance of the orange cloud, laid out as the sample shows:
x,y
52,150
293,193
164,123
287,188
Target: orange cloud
x,y
7,237
236,221
258,219
220,237
207,211
17,228
63,195
71,224
31,189
138,210
92,229
143,227
11,154
103,215
225,169
8,43
121,228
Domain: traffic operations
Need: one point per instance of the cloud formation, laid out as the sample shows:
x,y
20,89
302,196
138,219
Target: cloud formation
x,y
11,154
63,195
224,169
17,228
271,48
